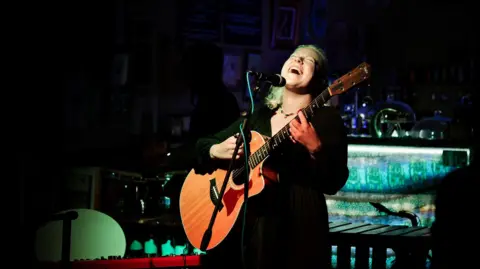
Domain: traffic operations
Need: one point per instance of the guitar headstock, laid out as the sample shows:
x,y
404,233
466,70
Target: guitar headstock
x,y
350,80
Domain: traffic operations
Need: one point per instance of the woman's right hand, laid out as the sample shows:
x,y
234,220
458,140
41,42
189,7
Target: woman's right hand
x,y
225,149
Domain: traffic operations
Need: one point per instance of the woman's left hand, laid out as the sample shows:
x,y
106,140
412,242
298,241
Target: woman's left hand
x,y
304,133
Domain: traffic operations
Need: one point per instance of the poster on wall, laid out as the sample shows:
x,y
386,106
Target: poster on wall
x,y
232,70
285,28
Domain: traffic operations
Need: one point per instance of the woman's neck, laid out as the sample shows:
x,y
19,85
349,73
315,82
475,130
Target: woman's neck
x,y
292,102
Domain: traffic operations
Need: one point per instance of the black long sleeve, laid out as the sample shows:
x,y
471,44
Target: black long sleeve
x,y
330,166
204,144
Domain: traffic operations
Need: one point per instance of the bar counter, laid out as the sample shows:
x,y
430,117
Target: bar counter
x,y
400,173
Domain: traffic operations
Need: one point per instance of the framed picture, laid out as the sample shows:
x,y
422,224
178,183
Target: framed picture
x,y
232,70
285,28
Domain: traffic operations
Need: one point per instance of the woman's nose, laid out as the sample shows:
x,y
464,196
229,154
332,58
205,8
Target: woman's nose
x,y
298,59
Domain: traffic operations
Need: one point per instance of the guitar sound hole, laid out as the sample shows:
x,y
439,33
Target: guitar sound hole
x,y
239,176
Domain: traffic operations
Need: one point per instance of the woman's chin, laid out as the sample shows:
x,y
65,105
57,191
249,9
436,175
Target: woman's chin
x,y
291,86
291,83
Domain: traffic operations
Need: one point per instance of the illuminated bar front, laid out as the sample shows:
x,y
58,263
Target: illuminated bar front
x,y
397,177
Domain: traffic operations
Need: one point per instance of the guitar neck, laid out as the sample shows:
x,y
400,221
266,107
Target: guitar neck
x,y
263,152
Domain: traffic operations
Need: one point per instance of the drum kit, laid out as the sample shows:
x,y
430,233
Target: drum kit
x,y
131,196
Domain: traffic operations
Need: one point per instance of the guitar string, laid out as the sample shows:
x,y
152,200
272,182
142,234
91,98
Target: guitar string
x,y
283,131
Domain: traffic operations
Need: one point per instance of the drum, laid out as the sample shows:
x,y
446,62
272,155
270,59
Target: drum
x,y
156,203
173,186
122,194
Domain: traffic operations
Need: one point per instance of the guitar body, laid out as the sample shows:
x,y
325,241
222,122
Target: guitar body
x,y
200,192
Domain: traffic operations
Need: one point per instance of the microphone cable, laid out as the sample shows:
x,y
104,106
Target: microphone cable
x,y
247,168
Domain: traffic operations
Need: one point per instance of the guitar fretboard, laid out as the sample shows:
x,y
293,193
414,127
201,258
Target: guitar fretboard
x,y
264,151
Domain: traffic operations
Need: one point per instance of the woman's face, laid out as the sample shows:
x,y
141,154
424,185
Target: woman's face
x,y
299,69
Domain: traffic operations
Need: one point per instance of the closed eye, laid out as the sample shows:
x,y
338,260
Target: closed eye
x,y
304,59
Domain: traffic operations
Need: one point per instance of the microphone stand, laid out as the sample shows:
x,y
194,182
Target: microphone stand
x,y
66,219
246,131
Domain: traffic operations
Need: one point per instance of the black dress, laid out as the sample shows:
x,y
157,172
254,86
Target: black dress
x,y
291,218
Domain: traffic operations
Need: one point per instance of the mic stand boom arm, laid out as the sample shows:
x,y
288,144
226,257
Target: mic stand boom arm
x,y
246,131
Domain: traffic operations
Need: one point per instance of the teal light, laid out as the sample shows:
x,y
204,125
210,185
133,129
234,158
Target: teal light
x,y
197,251
181,249
94,235
398,177
389,263
150,247
167,249
395,169
136,245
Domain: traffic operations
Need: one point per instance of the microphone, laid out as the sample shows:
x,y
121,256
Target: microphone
x,y
70,215
275,79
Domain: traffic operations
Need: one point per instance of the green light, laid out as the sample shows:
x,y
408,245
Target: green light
x,y
150,247
398,177
94,235
197,251
401,149
395,169
180,250
136,245
167,249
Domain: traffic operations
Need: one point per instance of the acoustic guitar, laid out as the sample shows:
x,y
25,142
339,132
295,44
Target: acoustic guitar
x,y
200,192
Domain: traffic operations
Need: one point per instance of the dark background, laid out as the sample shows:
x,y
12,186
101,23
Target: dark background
x,y
66,57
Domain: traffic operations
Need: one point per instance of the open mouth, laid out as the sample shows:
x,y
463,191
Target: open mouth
x,y
295,70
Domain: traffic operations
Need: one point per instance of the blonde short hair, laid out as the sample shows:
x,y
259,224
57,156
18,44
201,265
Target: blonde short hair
x,y
275,95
